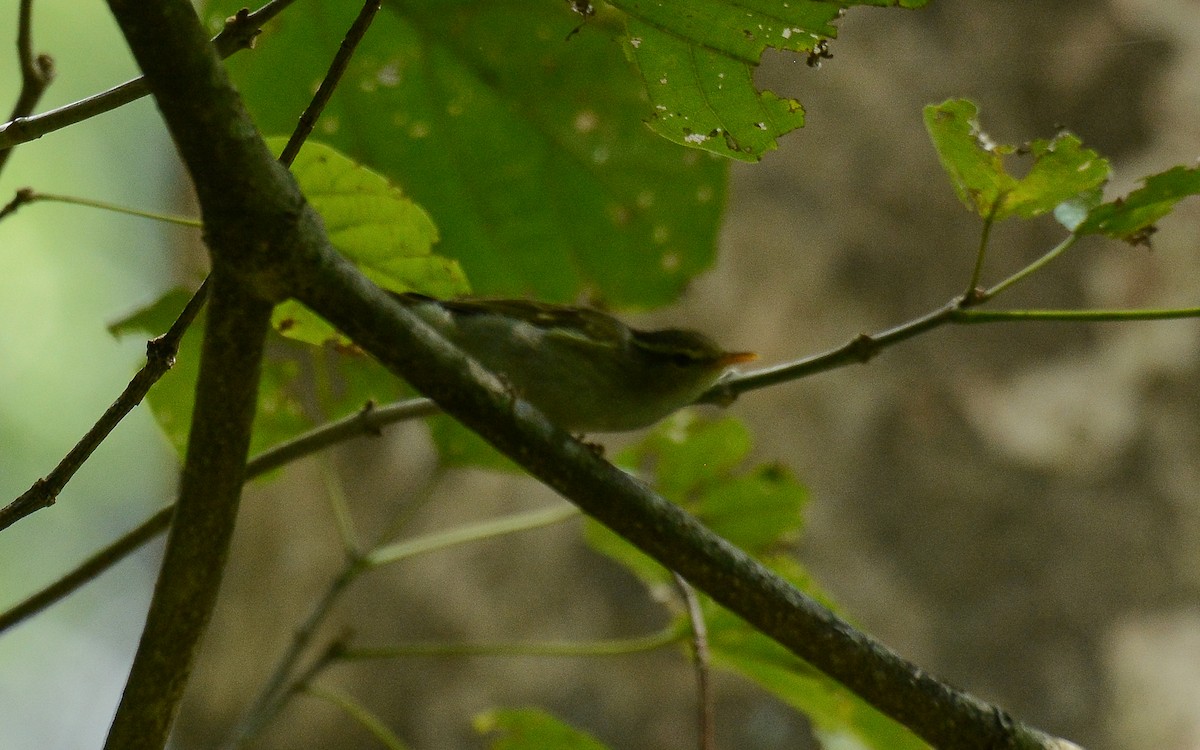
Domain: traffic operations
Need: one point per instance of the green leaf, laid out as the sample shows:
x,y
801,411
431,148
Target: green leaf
x,y
528,150
971,159
756,511
153,319
705,98
696,465
372,223
1062,169
533,729
1132,218
697,59
686,452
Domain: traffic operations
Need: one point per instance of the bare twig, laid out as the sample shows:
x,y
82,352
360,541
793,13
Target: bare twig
x,y
160,356
706,700
358,713
24,196
278,688
337,68
37,71
613,647
960,310
29,195
981,254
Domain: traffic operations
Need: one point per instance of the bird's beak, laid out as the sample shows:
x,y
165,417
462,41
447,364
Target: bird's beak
x,y
736,358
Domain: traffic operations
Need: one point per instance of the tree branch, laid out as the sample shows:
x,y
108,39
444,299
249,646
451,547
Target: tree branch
x,y
202,526
37,71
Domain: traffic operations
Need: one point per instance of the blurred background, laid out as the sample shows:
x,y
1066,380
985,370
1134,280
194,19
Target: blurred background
x,y
1014,507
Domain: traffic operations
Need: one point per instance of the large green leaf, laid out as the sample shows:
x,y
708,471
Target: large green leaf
x,y
387,235
697,63
527,149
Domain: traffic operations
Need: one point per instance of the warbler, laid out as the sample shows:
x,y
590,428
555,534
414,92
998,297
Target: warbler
x,y
584,369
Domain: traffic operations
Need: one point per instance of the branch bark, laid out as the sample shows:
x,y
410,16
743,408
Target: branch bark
x,y
204,517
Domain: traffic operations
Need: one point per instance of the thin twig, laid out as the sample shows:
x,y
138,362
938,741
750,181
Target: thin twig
x,y
239,33
29,195
860,349
368,420
342,518
276,691
337,68
466,534
706,703
962,309
1071,316
23,197
1033,267
160,356
37,71
359,713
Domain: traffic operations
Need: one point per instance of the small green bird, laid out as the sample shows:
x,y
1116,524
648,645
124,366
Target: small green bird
x,y
584,369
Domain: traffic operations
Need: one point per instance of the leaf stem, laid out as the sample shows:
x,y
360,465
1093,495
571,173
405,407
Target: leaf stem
x,y
1033,267
473,533
183,221
984,237
613,647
